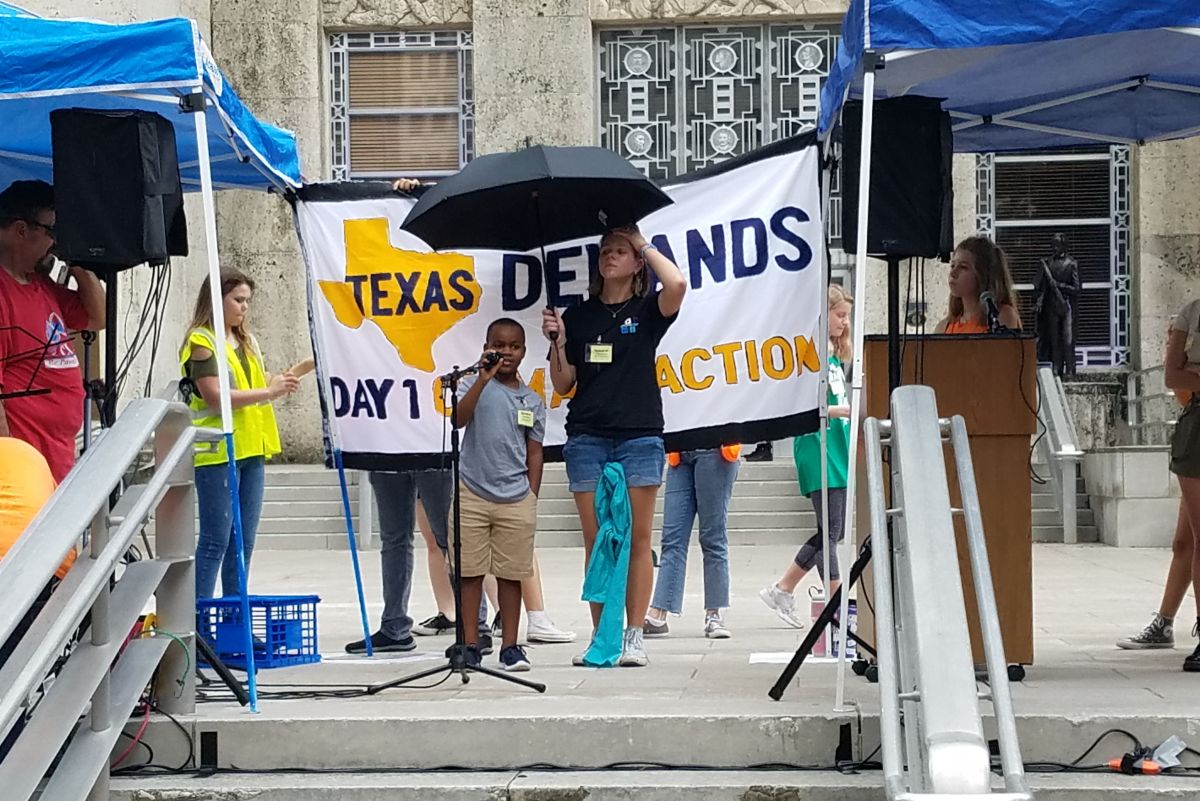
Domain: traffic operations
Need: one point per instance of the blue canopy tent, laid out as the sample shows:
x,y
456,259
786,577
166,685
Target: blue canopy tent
x,y
1013,76
161,66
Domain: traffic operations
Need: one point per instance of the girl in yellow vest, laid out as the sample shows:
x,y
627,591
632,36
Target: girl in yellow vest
x,y
255,434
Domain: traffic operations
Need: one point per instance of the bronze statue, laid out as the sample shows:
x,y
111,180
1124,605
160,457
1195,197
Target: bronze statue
x,y
1057,292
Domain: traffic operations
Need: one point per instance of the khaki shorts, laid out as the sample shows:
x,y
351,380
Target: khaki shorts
x,y
497,538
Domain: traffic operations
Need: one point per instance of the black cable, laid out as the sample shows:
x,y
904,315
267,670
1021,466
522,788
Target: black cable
x,y
299,692
159,317
923,300
142,742
1137,744
537,767
908,296
1034,410
191,749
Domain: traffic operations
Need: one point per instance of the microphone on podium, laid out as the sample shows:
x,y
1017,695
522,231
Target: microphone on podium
x,y
993,313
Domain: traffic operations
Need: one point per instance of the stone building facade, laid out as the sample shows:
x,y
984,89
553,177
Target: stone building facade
x,y
556,72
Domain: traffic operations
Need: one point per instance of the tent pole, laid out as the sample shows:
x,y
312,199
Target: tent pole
x,y
871,62
335,444
218,312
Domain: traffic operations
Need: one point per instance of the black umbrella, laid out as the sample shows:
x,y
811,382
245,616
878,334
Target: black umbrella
x,y
533,197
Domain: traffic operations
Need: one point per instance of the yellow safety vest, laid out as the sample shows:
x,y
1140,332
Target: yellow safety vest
x,y
255,432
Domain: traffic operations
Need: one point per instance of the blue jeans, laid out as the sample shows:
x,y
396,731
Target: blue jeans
x,y
641,458
213,553
701,484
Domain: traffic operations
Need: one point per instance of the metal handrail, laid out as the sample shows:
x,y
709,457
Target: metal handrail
x,y
931,730
101,670
1139,404
1059,449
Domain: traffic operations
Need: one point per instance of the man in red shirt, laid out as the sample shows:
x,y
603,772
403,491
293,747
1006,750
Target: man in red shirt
x,y
37,317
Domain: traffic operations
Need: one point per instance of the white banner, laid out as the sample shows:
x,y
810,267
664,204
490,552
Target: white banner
x,y
739,365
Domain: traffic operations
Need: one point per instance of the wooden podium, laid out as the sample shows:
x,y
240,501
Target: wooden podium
x,y
991,382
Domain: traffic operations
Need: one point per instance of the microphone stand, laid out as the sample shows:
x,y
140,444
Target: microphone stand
x,y
456,654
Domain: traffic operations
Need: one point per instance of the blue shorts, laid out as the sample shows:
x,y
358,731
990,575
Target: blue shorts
x,y
642,459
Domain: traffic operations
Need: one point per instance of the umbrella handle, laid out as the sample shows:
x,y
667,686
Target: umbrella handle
x,y
537,216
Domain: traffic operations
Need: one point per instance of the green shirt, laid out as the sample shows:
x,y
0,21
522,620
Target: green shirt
x,y
807,447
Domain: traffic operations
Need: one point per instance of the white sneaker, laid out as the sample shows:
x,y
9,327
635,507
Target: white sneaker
x,y
783,605
544,630
633,651
714,628
577,660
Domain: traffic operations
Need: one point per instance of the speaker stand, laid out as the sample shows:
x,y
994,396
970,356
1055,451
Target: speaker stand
x,y
893,323
108,409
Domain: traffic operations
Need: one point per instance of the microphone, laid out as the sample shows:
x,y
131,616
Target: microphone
x,y
993,312
489,359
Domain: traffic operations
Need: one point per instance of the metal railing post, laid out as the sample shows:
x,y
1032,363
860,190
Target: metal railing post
x,y
1133,416
366,511
1070,514
175,598
100,715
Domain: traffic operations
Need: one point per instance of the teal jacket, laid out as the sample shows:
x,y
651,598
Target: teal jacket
x,y
608,569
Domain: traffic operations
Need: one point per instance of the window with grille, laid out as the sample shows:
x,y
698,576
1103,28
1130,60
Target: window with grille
x,y
1026,198
402,103
676,99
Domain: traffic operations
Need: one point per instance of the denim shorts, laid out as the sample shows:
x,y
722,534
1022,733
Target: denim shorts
x,y
642,459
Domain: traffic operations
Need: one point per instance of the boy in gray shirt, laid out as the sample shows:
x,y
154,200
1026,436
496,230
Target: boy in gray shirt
x,y
501,473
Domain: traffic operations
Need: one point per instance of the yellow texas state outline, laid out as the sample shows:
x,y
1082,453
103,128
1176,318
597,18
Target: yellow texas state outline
x,y
412,297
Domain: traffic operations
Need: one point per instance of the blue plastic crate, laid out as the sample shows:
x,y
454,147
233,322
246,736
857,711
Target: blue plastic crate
x,y
284,627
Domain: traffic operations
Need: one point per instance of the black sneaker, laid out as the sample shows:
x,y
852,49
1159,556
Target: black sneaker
x,y
473,657
513,659
1192,663
763,453
485,643
382,643
438,624
1159,634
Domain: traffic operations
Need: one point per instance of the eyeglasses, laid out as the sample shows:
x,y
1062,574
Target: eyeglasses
x,y
49,229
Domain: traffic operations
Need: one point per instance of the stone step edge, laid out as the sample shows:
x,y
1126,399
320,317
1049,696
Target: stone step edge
x,y
610,784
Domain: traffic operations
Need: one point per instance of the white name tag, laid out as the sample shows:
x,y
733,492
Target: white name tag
x,y
599,353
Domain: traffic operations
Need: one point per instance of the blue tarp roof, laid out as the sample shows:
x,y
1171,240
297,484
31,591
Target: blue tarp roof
x,y
46,64
1031,74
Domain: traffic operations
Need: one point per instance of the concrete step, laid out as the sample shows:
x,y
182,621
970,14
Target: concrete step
x,y
337,540
1055,533
1049,500
303,509
650,785
480,732
312,492
1051,517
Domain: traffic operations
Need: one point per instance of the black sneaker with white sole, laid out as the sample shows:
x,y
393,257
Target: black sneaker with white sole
x,y
432,627
381,643
513,659
1159,634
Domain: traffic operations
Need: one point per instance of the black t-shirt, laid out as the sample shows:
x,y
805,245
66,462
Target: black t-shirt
x,y
620,399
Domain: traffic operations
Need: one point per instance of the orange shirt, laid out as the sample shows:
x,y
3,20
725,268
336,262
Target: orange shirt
x,y
25,485
966,327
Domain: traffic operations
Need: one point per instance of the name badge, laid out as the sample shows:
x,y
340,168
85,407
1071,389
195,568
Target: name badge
x,y
599,353
525,417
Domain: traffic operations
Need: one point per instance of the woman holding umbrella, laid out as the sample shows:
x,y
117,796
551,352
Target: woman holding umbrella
x,y
605,349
